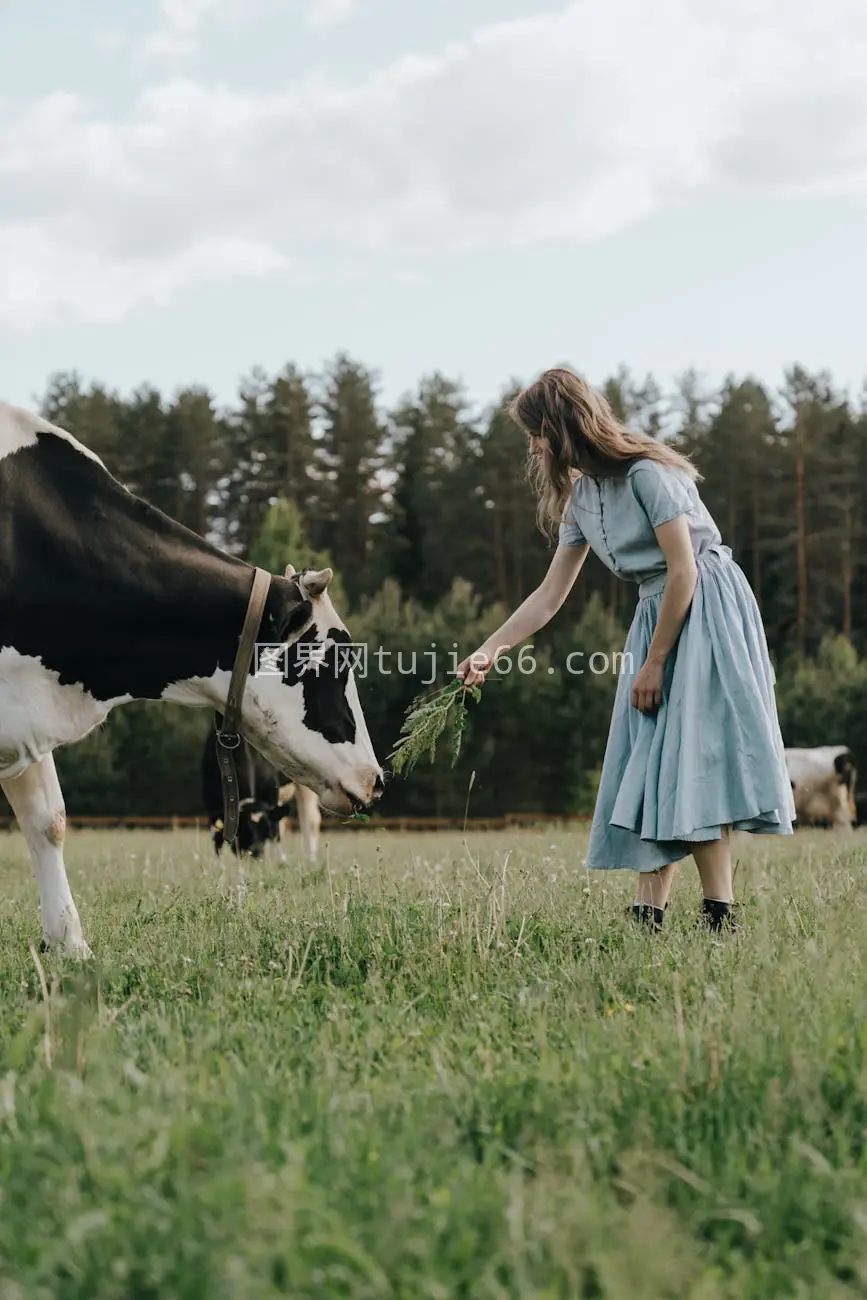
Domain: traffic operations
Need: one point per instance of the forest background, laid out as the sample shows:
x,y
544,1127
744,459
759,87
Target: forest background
x,y
424,512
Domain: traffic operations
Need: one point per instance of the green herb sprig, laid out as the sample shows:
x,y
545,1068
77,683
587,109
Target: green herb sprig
x,y
427,720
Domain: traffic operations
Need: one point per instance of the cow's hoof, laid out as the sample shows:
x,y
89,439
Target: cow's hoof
x,y
74,949
78,951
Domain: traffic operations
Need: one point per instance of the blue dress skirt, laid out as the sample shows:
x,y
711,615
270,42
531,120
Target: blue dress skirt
x,y
712,755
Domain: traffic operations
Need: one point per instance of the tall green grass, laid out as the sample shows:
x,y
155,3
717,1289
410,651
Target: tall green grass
x,y
431,1069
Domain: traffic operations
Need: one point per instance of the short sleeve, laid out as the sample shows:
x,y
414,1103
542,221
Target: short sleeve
x,y
661,492
570,533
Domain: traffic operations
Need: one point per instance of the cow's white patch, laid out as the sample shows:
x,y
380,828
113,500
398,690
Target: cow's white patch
x,y
37,713
18,429
271,660
314,656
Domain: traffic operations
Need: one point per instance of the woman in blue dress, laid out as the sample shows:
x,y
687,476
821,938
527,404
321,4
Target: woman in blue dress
x,y
694,748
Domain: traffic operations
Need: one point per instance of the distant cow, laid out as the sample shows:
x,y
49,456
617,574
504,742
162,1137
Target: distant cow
x,y
823,785
265,802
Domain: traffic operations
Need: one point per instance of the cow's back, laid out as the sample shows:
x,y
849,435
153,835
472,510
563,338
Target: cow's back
x,y
823,782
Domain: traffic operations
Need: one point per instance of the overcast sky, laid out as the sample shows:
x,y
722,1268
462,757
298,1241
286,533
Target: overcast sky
x,y
487,187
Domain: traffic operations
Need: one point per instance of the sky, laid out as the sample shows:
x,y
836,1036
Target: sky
x,y
189,188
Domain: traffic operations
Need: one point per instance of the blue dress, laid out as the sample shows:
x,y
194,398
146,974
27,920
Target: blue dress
x,y
712,755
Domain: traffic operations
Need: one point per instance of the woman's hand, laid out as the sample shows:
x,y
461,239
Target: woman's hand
x,y
647,686
475,668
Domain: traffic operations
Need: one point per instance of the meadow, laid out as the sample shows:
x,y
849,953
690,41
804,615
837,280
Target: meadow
x,y
432,1067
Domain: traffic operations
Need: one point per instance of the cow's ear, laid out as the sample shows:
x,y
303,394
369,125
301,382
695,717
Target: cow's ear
x,y
313,582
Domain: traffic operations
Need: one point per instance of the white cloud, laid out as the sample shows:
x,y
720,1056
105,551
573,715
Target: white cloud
x,y
328,13
45,276
567,126
109,41
181,23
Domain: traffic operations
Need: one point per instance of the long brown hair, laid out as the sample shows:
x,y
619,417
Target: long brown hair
x,y
584,437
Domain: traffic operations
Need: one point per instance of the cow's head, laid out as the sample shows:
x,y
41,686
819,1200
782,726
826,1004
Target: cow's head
x,y
301,709
847,775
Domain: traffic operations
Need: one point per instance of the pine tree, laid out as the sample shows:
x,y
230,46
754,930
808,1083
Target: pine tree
x,y
349,493
810,445
428,434
148,453
198,447
515,555
289,436
91,415
246,490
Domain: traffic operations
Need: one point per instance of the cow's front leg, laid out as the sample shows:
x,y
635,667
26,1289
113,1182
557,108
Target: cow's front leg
x,y
284,796
309,819
37,802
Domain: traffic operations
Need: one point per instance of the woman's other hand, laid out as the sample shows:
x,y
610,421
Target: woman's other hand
x,y
647,687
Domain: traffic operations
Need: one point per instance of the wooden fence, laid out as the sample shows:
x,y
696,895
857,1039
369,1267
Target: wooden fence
x,y
508,821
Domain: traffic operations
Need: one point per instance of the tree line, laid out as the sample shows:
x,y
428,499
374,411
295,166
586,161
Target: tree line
x,y
424,512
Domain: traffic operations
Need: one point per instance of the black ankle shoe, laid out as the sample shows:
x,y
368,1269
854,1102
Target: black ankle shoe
x,y
719,916
647,915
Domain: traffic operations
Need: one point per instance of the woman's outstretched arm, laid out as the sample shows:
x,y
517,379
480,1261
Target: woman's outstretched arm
x,y
537,610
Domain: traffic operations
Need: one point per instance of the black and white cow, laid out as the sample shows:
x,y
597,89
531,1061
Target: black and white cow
x,y
823,785
104,599
265,802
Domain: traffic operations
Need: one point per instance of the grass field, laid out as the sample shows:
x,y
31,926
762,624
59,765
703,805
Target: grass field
x,y
433,1069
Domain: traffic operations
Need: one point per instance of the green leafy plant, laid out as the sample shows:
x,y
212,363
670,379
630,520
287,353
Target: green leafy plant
x,y
430,718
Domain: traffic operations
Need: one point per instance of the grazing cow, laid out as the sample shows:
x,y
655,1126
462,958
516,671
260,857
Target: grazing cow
x,y
104,599
823,785
265,802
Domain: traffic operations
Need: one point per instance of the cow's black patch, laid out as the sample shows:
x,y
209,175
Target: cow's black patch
x,y
113,595
321,664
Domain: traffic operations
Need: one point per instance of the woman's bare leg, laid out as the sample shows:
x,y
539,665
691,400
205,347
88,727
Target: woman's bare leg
x,y
653,887
714,862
